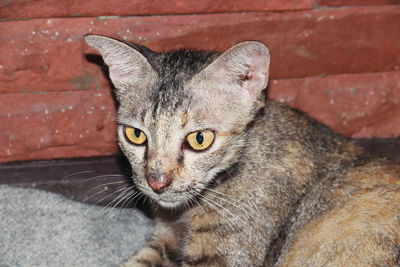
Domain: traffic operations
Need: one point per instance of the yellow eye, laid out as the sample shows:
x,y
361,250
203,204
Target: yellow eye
x,y
200,140
134,135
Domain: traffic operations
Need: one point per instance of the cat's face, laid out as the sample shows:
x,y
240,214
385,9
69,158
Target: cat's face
x,y
182,115
187,143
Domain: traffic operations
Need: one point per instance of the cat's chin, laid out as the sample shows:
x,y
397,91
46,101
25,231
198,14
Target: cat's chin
x,y
169,204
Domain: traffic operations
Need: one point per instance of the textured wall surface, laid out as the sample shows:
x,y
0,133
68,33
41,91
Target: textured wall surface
x,y
337,60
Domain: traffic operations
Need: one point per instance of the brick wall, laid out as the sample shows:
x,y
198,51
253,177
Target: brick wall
x,y
337,60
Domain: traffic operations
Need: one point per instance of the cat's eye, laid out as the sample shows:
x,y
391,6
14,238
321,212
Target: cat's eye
x,y
200,140
135,135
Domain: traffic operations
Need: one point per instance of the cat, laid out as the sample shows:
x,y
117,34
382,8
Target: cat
x,y
235,179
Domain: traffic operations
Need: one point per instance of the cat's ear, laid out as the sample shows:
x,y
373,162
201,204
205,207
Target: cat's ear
x,y
245,64
126,65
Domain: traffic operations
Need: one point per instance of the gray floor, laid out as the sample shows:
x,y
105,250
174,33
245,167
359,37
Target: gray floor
x,y
40,228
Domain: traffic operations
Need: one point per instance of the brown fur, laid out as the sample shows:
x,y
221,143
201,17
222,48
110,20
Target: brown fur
x,y
362,228
274,189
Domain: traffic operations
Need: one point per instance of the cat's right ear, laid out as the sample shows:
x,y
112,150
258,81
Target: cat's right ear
x,y
127,66
245,68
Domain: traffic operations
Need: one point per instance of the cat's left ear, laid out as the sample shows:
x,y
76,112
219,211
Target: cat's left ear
x,y
127,66
246,65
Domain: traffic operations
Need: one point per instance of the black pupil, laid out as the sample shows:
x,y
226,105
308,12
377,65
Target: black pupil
x,y
137,133
199,138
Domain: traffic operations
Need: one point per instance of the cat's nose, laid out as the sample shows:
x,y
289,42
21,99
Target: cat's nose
x,y
159,182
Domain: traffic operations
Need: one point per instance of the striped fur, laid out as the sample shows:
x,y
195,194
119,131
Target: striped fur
x,y
275,188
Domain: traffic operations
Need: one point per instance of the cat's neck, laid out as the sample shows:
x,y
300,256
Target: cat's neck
x,y
292,142
286,154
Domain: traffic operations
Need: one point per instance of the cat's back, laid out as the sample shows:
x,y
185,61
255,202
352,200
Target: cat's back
x,y
358,223
350,212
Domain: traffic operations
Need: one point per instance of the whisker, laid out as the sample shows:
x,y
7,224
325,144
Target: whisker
x,y
75,173
122,192
228,202
123,198
189,203
141,194
132,198
241,204
104,176
218,210
234,216
110,206
101,199
128,196
95,194
112,193
227,197
149,200
105,185
194,198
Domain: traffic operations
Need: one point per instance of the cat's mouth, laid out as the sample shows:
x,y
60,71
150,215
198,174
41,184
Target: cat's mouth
x,y
171,198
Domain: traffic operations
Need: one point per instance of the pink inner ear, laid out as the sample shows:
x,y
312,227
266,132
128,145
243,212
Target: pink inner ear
x,y
115,74
246,76
118,76
256,77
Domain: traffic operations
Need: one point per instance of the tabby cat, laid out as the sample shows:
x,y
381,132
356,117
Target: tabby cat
x,y
238,180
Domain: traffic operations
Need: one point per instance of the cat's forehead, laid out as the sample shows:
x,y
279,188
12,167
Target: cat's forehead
x,y
180,65
168,96
175,69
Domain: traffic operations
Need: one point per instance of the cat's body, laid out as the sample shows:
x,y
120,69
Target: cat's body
x,y
272,187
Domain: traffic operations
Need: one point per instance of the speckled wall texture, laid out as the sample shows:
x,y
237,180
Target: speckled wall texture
x,y
337,60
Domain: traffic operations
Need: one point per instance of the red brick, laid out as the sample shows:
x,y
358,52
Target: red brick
x,y
356,105
47,54
56,125
357,2
42,55
67,8
11,9
288,91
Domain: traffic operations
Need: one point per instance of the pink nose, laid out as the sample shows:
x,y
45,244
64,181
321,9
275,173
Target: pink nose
x,y
158,184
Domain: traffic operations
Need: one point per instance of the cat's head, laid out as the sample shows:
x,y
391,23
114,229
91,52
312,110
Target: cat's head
x,y
182,114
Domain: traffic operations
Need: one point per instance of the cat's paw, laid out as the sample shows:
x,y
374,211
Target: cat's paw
x,y
149,256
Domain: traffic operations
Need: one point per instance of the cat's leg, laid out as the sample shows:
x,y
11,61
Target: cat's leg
x,y
161,250
207,246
